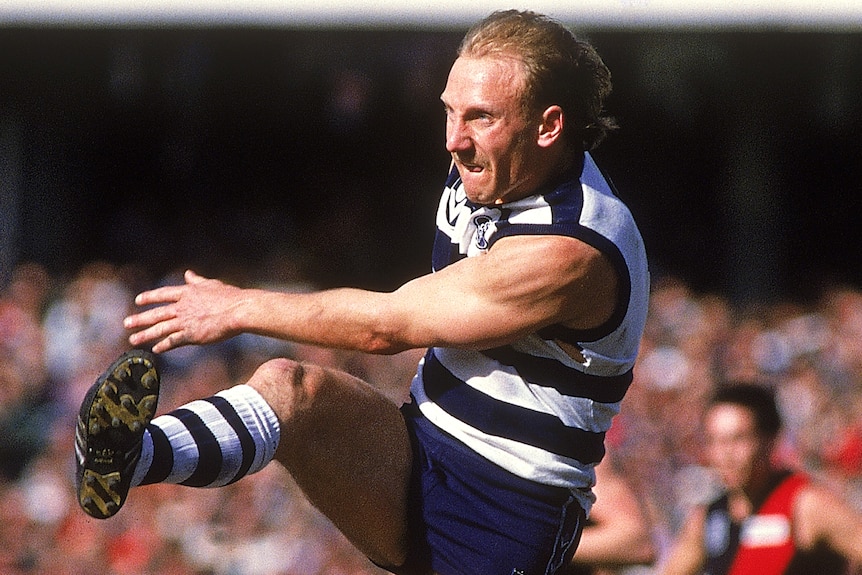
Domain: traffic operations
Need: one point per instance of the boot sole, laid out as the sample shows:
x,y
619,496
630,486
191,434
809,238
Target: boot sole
x,y
110,432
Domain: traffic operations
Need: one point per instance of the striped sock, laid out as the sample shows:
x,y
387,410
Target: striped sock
x,y
209,442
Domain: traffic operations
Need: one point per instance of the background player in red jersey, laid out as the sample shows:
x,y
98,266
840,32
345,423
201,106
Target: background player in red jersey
x,y
769,521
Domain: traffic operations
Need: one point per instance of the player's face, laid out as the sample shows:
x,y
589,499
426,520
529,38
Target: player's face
x,y
491,141
735,449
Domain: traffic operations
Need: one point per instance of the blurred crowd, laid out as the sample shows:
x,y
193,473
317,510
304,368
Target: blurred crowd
x,y
58,334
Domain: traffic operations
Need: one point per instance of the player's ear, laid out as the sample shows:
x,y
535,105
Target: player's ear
x,y
551,127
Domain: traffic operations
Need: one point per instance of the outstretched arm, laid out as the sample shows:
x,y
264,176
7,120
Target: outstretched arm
x,y
520,285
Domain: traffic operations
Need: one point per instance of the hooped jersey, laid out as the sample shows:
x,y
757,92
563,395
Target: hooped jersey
x,y
763,543
529,406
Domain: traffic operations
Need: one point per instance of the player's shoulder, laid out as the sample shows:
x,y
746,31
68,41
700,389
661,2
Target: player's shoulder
x,y
814,497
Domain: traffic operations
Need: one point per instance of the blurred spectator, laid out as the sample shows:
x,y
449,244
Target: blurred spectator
x,y
768,518
24,413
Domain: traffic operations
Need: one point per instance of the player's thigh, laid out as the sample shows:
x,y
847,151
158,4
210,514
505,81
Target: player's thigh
x,y
347,447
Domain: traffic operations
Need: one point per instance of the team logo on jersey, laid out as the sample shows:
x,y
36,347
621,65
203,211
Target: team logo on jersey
x,y
485,223
483,227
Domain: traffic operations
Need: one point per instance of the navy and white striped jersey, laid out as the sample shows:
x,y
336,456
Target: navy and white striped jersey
x,y
529,406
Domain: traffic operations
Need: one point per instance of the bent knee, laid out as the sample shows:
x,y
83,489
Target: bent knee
x,y
287,385
279,382
275,373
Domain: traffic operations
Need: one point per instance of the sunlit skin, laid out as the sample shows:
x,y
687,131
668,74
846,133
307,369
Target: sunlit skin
x,y
501,154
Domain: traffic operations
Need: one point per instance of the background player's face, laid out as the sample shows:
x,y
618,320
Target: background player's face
x,y
735,449
492,144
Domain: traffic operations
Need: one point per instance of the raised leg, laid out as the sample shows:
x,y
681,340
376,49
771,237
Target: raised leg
x,y
348,449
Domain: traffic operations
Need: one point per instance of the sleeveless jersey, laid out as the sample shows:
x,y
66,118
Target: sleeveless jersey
x,y
529,407
763,544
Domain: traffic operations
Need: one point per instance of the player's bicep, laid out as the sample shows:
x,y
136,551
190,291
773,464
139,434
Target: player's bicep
x,y
522,284
558,279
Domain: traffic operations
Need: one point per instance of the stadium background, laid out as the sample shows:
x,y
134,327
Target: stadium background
x,y
290,153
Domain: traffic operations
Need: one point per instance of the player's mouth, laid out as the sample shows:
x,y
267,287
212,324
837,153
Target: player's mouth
x,y
472,168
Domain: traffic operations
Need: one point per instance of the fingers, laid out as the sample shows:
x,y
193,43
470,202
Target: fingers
x,y
169,343
168,294
167,335
169,331
161,324
155,323
149,317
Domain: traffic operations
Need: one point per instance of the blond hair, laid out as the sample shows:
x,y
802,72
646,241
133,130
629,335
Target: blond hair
x,y
559,69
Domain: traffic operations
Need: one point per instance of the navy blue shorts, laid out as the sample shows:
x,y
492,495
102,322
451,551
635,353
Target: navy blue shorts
x,y
471,517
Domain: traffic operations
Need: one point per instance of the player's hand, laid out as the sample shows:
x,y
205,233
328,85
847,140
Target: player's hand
x,y
198,312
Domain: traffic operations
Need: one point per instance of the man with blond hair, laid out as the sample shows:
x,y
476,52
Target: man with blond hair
x,y
531,318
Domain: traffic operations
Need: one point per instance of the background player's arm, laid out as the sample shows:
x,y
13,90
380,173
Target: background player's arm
x,y
687,555
820,516
522,284
618,533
